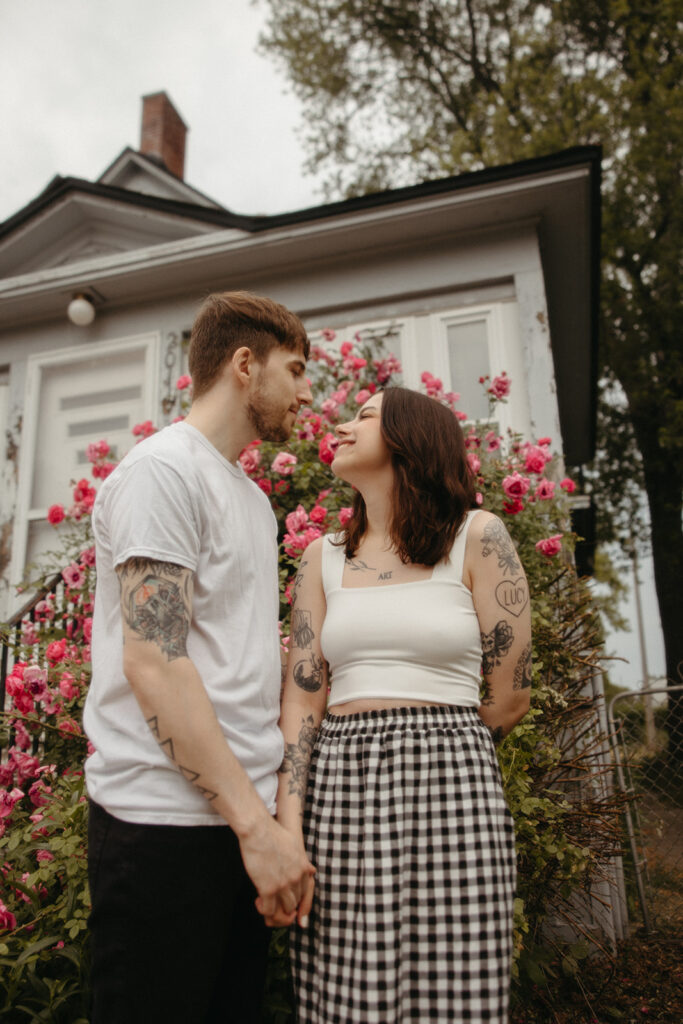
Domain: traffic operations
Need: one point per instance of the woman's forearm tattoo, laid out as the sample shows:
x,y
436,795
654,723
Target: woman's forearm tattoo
x,y
302,631
297,757
522,677
309,673
496,540
495,645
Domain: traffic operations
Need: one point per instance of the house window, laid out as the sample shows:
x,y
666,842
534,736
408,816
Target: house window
x,y
459,346
73,397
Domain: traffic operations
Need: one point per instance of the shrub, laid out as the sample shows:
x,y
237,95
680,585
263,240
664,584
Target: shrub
x,y
553,778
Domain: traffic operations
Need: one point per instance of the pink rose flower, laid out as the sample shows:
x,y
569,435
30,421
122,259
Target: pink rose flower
x,y
516,485
327,448
535,458
250,460
318,514
362,396
474,462
27,766
545,489
56,651
44,856
284,463
55,514
550,546
296,520
8,921
500,386
38,793
346,348
344,515
513,506
329,335
265,485
184,381
73,576
143,430
67,686
87,630
479,498
281,487
568,485
8,798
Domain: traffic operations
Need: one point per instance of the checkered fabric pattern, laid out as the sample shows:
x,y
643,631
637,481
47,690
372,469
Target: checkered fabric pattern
x,y
414,849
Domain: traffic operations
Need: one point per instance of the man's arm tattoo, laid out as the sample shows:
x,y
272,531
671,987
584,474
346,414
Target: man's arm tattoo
x,y
522,678
156,608
302,632
386,575
496,540
167,746
495,645
298,757
308,673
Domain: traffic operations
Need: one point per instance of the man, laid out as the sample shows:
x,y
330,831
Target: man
x,y
183,714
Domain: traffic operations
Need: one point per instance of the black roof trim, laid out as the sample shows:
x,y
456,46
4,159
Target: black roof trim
x,y
60,186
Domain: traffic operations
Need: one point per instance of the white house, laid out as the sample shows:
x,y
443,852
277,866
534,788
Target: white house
x,y
475,274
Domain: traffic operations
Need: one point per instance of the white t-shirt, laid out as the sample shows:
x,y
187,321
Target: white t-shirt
x,y
174,498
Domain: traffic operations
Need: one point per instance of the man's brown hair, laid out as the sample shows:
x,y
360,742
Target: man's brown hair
x,y
228,320
433,488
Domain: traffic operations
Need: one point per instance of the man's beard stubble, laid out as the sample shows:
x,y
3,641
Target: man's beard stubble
x,y
268,424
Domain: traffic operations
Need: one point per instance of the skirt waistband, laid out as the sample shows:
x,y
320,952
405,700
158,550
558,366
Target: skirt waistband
x,y
430,716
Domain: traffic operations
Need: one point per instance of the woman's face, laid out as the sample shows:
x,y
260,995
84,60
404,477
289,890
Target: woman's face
x,y
362,450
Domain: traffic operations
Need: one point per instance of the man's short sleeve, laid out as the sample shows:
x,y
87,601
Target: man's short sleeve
x,y
150,513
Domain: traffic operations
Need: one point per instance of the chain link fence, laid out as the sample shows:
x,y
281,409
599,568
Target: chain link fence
x,y
646,727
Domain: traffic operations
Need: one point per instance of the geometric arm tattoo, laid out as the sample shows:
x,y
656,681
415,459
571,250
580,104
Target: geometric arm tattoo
x,y
298,756
156,603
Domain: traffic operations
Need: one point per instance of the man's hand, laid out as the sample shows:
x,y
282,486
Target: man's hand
x,y
280,870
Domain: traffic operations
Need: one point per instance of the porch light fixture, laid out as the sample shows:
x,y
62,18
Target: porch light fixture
x,y
81,310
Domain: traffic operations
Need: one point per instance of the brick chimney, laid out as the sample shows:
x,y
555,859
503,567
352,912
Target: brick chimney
x,y
163,132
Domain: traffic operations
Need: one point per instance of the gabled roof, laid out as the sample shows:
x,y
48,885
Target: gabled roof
x,y
191,247
139,172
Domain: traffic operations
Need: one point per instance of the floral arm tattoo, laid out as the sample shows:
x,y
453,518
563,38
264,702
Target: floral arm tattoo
x,y
298,756
496,541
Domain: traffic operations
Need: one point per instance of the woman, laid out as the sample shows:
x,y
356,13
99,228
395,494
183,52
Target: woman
x,y
392,784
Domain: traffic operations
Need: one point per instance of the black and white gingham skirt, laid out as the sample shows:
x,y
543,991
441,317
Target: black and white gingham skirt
x,y
414,848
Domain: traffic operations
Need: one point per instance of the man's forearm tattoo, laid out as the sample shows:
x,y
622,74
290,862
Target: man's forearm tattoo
x,y
309,672
495,645
157,608
302,632
297,757
496,540
522,677
168,748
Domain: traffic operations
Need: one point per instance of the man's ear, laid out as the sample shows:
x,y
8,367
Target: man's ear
x,y
242,365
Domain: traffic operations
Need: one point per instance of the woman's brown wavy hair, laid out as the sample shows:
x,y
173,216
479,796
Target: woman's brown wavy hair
x,y
434,485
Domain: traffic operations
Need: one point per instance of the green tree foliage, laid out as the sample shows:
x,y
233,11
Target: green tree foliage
x,y
399,91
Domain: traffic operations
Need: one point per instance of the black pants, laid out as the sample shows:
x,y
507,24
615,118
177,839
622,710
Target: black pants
x,y
174,930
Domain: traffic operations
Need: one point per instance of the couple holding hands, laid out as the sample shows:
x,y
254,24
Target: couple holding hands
x,y
364,808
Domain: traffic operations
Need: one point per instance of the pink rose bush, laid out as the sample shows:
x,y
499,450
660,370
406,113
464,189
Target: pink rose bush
x,y
42,795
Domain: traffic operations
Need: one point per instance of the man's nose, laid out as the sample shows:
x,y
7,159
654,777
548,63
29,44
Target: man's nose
x,y
305,395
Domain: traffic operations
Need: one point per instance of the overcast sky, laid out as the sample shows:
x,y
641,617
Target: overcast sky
x,y
72,74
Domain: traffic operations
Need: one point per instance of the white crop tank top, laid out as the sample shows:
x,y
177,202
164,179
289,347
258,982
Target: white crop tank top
x,y
418,640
